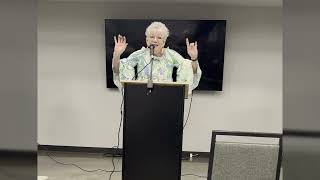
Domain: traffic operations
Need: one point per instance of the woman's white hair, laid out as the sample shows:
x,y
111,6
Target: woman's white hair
x,y
158,26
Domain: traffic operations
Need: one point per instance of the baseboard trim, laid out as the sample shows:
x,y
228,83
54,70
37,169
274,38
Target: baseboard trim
x,y
17,153
106,151
77,149
301,133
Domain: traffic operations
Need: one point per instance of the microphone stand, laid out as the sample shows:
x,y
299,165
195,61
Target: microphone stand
x,y
150,81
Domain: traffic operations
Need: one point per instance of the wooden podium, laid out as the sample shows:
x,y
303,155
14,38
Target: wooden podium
x,y
152,130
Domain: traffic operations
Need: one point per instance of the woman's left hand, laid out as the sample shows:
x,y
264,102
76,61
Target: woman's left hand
x,y
192,49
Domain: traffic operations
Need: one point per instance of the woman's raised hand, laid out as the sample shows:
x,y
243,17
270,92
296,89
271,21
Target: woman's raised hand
x,y
120,45
192,49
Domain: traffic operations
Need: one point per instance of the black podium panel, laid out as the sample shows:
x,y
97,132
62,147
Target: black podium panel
x,y
152,132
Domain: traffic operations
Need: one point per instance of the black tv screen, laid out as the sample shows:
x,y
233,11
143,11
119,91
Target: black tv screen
x,y
209,34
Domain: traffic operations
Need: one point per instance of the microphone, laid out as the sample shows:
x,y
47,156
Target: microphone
x,y
152,46
150,81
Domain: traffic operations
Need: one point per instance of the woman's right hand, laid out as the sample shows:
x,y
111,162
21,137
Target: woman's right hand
x,y
120,45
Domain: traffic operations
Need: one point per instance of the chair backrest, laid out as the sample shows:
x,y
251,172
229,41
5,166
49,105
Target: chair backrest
x,y
245,156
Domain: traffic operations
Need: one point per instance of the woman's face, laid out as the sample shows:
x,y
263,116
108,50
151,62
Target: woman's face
x,y
156,38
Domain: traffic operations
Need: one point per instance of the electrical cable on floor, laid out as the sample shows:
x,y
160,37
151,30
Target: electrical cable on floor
x,y
75,165
194,175
113,171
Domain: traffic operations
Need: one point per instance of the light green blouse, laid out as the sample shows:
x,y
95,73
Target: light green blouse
x,y
161,70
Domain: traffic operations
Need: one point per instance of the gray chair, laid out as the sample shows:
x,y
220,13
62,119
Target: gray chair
x,y
245,156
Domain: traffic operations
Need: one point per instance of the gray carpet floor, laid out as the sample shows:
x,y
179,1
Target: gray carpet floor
x,y
92,161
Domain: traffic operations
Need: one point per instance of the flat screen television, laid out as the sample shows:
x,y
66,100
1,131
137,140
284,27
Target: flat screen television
x,y
209,34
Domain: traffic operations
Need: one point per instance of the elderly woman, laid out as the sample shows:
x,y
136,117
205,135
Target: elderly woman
x,y
188,70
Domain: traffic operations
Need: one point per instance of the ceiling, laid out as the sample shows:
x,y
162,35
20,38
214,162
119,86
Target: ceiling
x,y
255,3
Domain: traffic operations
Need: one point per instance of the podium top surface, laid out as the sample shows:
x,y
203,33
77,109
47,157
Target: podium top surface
x,y
186,85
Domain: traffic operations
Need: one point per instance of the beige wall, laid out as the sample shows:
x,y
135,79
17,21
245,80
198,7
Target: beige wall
x,y
76,109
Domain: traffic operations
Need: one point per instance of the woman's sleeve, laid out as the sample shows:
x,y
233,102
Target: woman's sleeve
x,y
185,72
196,77
126,68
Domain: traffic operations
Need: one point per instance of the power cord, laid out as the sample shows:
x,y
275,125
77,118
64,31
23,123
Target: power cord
x,y
75,165
118,143
103,170
194,175
188,111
